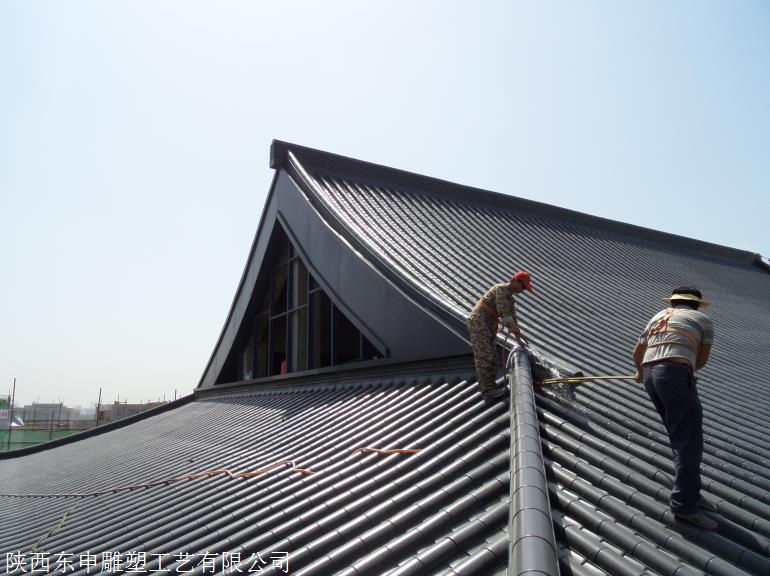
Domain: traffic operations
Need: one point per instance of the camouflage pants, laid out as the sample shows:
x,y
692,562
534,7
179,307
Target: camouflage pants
x,y
482,329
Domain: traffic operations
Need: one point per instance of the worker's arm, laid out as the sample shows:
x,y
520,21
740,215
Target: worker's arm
x,y
638,357
513,327
507,311
703,356
707,337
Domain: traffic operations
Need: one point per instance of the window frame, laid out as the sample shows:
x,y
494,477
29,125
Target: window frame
x,y
288,259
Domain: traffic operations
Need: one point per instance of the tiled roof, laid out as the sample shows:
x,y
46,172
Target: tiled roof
x,y
433,509
445,509
596,285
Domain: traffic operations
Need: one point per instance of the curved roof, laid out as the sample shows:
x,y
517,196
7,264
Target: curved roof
x,y
445,508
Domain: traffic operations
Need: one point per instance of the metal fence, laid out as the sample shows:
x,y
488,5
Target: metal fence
x,y
22,438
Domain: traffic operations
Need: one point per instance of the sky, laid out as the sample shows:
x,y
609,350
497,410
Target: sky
x,y
134,146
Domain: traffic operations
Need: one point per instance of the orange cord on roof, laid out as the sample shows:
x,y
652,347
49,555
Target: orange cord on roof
x,y
207,473
294,468
194,475
378,451
249,474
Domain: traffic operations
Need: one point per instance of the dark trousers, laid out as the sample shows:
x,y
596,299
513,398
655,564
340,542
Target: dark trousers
x,y
672,390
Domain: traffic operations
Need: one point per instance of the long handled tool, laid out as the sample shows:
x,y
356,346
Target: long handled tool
x,y
578,379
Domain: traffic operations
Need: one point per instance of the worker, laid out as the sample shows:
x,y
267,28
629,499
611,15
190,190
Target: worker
x,y
675,343
483,325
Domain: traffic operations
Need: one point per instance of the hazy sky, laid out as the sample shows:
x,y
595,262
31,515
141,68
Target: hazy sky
x,y
134,140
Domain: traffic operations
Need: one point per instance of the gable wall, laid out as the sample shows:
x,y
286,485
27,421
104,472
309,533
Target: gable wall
x,y
383,313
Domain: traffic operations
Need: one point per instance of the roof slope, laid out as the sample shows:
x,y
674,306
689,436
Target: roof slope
x,y
445,508
595,289
341,515
597,284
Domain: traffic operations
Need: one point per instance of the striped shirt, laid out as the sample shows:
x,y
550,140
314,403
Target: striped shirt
x,y
679,336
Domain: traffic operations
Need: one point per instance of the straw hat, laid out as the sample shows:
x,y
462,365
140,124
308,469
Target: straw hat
x,y
687,297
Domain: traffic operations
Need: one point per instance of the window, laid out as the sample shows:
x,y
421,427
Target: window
x,y
346,339
260,349
279,290
277,364
320,330
246,360
298,337
299,283
296,325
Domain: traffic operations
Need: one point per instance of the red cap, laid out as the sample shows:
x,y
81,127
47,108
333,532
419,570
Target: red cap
x,y
524,278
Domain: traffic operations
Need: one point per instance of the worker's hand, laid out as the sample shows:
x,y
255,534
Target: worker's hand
x,y
638,376
521,341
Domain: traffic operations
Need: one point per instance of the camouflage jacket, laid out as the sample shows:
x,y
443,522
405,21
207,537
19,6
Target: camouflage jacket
x,y
498,299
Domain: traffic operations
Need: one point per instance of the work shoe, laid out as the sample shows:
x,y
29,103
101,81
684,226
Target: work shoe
x,y
698,518
494,394
704,504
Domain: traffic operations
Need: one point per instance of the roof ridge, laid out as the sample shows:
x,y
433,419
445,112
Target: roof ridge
x,y
530,522
431,186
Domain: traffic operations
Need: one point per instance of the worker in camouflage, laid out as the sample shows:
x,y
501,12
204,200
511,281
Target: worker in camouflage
x,y
496,304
